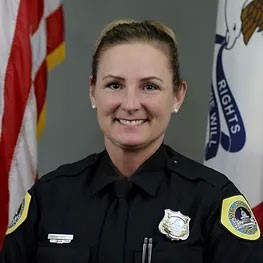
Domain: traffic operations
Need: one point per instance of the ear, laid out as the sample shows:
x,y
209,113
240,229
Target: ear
x,y
179,96
92,91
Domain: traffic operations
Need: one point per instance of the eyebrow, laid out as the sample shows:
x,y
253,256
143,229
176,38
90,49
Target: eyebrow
x,y
143,79
113,77
152,78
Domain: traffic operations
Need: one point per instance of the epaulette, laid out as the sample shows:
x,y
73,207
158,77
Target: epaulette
x,y
194,171
71,169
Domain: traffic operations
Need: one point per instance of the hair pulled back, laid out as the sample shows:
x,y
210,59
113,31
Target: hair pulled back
x,y
129,31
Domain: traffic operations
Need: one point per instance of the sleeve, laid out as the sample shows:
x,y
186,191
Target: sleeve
x,y
234,234
20,241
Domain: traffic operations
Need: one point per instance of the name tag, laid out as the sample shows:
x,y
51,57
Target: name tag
x,y
60,238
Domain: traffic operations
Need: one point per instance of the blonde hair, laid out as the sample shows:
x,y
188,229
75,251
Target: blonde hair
x,y
129,30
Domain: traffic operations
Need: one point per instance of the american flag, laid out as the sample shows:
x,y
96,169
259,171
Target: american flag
x,y
32,42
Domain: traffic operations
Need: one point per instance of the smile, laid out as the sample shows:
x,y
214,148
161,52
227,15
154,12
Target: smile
x,y
131,122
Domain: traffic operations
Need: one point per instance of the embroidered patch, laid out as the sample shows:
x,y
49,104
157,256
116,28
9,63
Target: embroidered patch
x,y
20,215
238,218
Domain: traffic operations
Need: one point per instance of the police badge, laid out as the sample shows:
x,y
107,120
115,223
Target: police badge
x,y
175,225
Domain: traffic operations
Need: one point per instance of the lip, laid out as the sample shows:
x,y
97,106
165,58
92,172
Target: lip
x,y
131,122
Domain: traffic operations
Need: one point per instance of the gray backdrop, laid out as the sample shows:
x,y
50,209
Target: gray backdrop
x,y
71,129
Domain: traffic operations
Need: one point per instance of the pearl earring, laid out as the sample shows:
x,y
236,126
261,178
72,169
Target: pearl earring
x,y
175,109
93,106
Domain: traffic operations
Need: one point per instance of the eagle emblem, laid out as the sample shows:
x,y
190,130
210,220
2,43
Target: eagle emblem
x,y
252,19
243,16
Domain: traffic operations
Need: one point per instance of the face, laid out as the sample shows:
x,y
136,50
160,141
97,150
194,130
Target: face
x,y
134,95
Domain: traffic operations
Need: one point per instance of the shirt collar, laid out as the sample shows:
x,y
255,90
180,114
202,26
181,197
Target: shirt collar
x,y
147,177
105,173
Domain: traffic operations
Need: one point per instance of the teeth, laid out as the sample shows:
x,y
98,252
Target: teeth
x,y
132,122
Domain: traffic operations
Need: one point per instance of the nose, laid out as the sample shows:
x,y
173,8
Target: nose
x,y
131,100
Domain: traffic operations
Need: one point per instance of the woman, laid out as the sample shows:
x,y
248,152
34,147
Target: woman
x,y
138,200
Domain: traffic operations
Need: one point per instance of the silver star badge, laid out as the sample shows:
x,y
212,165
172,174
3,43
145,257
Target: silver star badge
x,y
175,225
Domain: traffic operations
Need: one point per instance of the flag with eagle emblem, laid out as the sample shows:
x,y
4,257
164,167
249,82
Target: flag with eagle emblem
x,y
234,141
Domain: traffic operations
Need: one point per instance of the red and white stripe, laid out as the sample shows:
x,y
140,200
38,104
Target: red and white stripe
x,y
23,77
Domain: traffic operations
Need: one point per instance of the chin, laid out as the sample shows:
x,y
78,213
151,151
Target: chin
x,y
133,142
130,144
133,145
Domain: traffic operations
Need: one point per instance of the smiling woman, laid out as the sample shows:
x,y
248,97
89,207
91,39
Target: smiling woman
x,y
138,200
135,96
135,85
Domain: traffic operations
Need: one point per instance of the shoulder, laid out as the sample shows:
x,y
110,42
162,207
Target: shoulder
x,y
193,171
224,200
71,169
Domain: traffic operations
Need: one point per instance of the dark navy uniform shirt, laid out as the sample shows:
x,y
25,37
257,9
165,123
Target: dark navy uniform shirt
x,y
75,199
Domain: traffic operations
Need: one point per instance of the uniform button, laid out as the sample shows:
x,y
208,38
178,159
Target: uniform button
x,y
175,163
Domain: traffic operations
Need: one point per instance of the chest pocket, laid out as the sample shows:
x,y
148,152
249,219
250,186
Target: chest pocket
x,y
65,254
173,254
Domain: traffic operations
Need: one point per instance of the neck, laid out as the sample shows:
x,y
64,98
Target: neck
x,y
127,159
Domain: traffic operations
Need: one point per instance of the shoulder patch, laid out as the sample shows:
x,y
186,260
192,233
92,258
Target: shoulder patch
x,y
237,217
20,215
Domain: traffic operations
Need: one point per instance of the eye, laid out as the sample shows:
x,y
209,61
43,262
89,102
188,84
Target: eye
x,y
150,87
113,86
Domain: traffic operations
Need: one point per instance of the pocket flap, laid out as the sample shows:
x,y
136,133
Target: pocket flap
x,y
171,254
63,254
